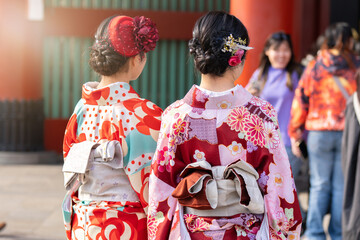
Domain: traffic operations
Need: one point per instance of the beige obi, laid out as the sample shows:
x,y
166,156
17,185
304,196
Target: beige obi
x,y
220,190
100,171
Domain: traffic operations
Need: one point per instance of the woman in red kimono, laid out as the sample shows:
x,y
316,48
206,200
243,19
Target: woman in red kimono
x,y
111,137
220,170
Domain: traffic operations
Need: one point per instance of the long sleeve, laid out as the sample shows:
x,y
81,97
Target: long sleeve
x,y
275,180
70,135
163,216
221,135
300,105
277,183
137,163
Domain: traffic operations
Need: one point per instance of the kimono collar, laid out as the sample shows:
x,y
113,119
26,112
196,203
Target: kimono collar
x,y
108,95
199,98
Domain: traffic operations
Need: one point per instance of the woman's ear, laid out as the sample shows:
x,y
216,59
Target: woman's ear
x,y
133,61
137,59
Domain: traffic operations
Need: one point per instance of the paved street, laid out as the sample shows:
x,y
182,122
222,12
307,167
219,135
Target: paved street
x,y
31,196
30,202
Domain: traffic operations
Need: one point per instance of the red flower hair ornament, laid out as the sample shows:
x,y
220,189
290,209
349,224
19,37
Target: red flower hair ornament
x,y
237,47
131,36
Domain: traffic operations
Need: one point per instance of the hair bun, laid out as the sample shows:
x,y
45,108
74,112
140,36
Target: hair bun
x,y
213,60
209,34
104,60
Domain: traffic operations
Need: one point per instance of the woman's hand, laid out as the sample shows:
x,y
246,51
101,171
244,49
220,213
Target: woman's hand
x,y
295,148
254,91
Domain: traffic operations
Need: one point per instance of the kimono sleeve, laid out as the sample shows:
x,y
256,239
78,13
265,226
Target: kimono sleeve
x,y
71,131
300,104
137,161
70,135
280,197
164,210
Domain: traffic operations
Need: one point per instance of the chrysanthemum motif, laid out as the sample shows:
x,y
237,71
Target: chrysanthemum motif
x,y
189,218
235,148
152,227
199,156
268,109
237,118
195,224
272,135
254,129
256,101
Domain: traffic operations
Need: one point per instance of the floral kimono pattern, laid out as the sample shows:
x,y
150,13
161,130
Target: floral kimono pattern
x,y
115,112
221,129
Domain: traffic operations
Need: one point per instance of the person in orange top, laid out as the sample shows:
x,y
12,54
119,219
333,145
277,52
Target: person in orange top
x,y
318,106
2,225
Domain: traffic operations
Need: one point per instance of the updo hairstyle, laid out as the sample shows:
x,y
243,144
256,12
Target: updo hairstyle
x,y
103,58
209,34
338,36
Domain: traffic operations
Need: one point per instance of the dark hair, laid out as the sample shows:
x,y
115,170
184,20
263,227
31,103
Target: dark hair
x,y
103,58
275,40
209,34
357,48
337,35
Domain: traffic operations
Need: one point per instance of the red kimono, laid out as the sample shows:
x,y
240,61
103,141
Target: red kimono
x,y
227,143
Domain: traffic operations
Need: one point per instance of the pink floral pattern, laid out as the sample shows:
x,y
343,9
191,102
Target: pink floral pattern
x,y
272,135
254,128
179,133
242,131
268,109
164,159
200,96
152,227
179,127
195,224
237,118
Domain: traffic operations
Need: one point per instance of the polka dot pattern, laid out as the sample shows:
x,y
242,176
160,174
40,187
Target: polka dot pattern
x,y
136,164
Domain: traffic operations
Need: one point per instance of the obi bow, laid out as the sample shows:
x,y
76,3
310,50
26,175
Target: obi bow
x,y
207,190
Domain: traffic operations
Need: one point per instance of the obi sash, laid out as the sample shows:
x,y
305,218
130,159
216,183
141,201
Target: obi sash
x,y
220,190
99,170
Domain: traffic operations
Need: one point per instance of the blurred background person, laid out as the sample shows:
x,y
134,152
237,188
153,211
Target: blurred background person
x,y
351,167
318,106
275,81
315,47
2,225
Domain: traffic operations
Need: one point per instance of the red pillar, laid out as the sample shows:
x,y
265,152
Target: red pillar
x,y
21,52
261,18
